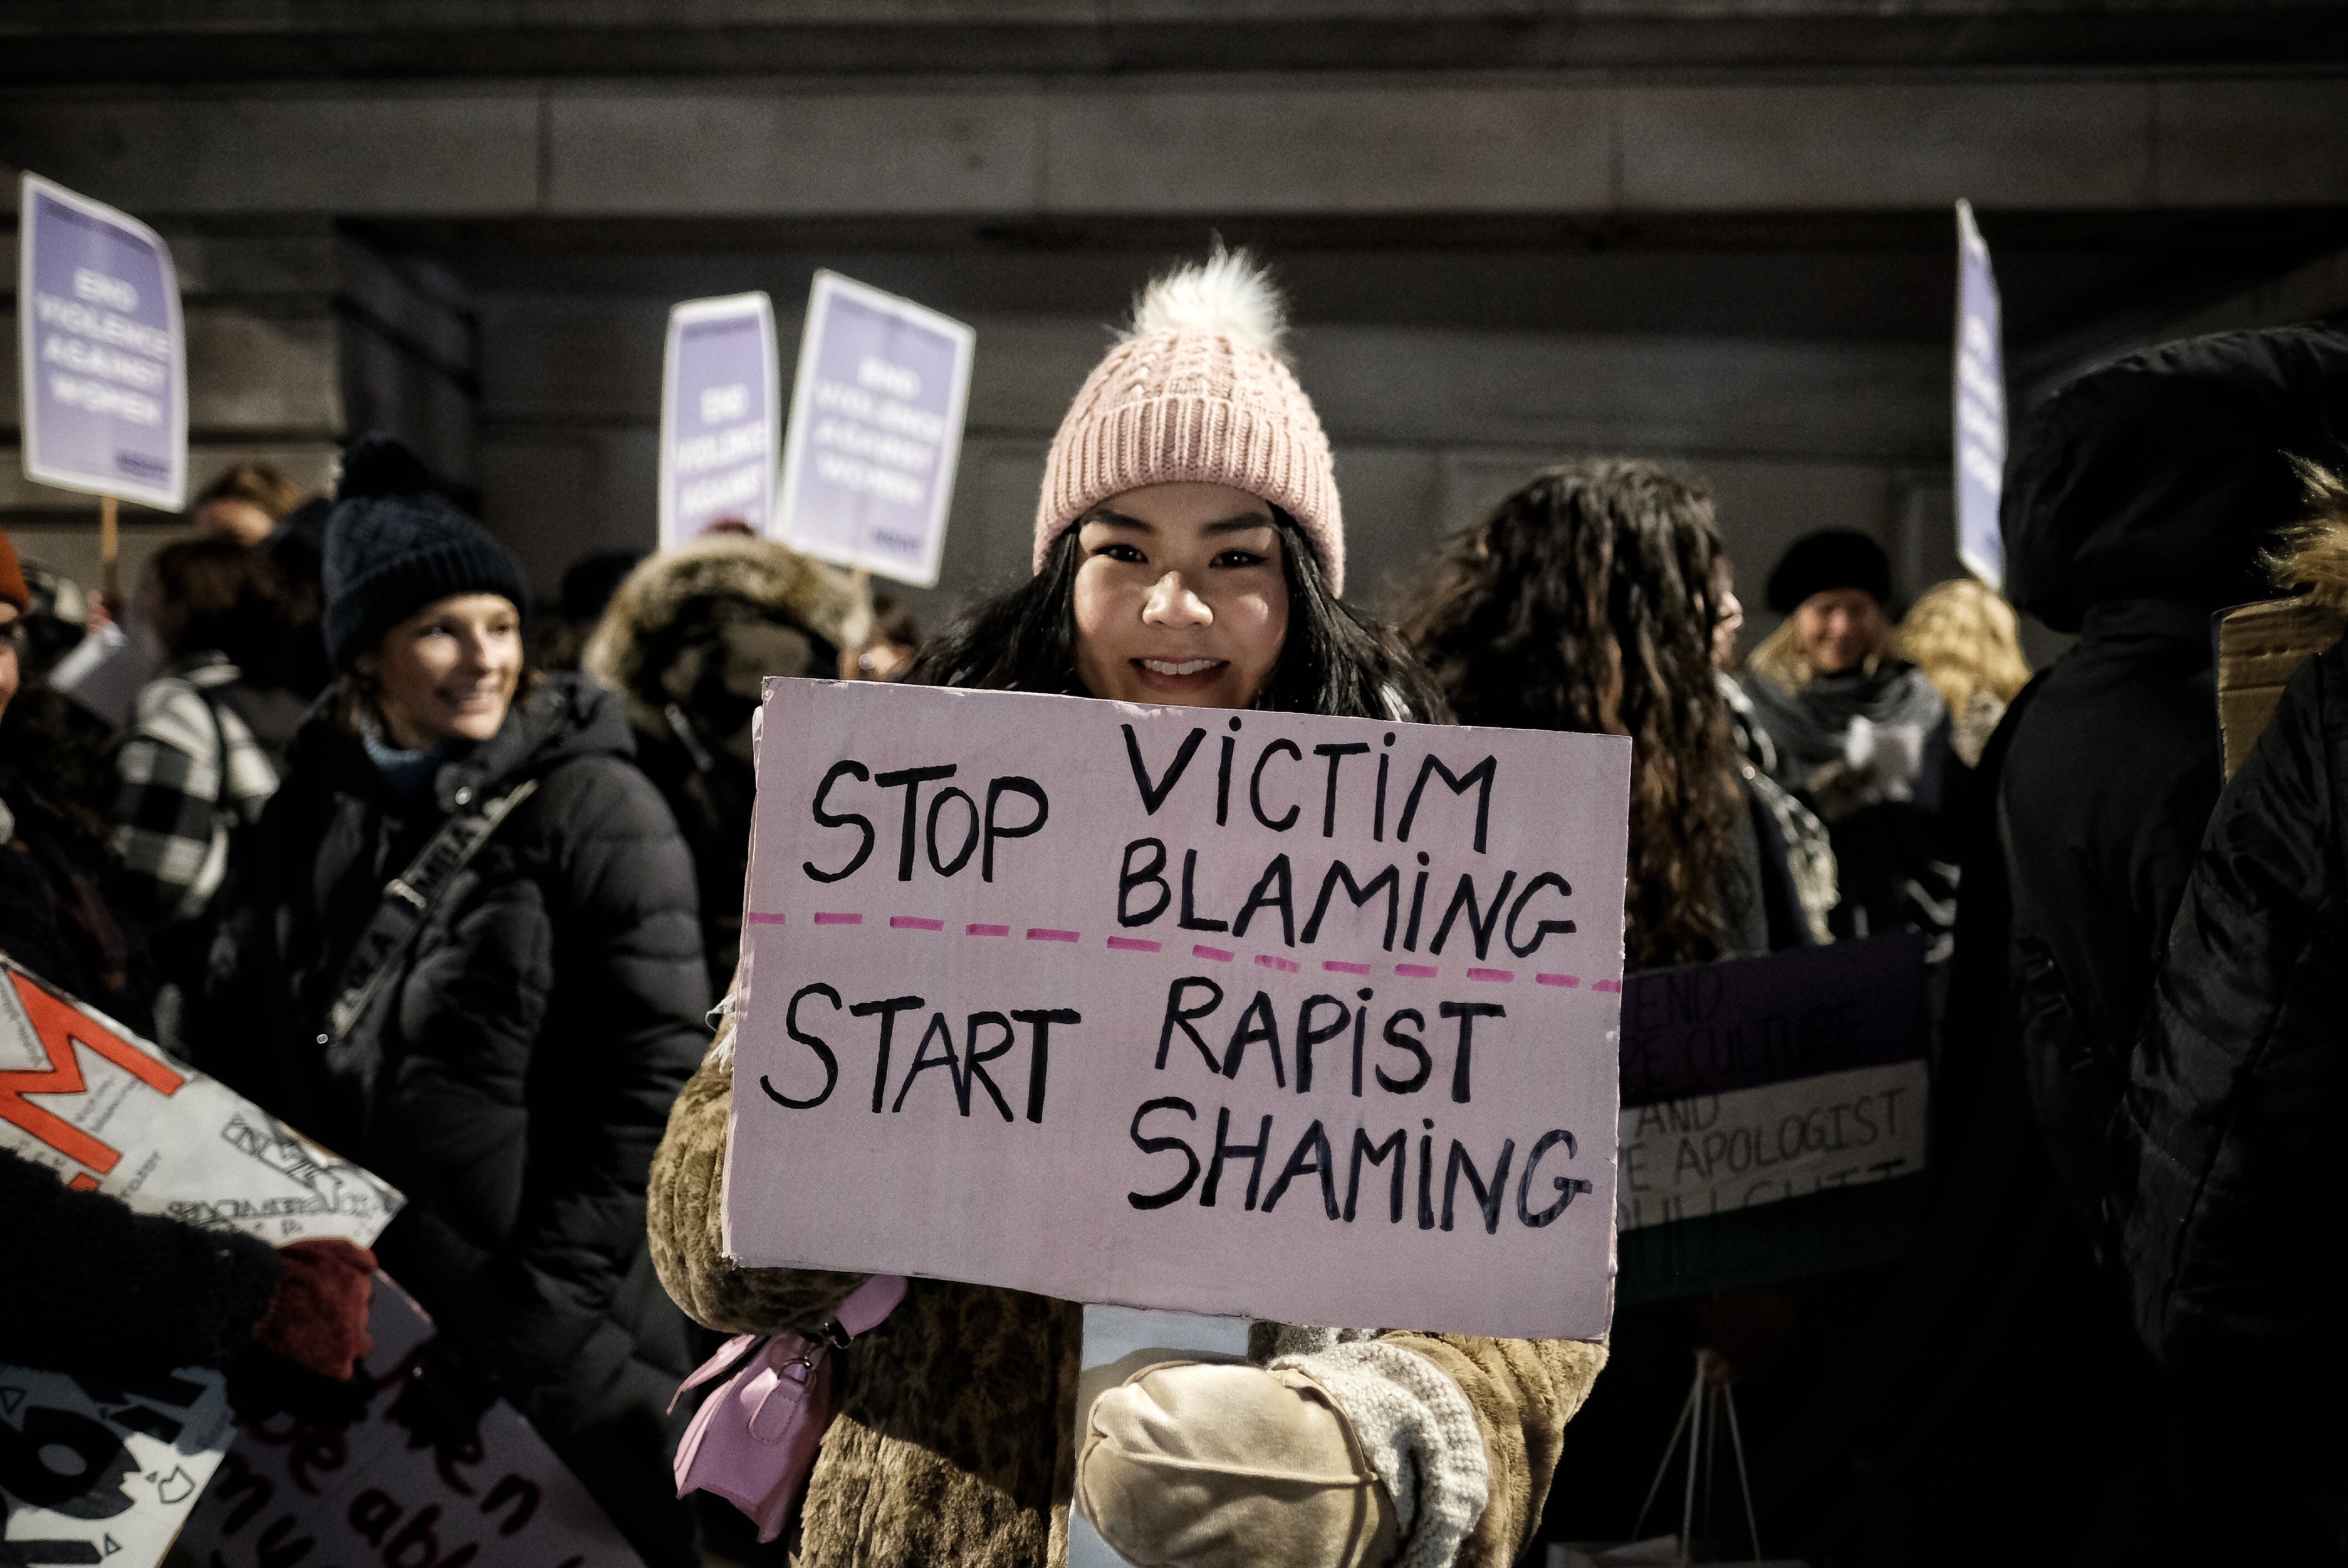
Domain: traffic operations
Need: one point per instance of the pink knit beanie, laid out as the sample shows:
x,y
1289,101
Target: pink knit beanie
x,y
1196,390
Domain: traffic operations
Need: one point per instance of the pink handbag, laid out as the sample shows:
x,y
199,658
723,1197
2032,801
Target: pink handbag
x,y
754,1440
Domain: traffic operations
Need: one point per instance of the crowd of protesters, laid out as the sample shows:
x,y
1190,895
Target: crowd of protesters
x,y
455,894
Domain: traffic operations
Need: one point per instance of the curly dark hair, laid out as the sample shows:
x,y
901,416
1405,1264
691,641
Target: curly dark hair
x,y
1335,661
1600,570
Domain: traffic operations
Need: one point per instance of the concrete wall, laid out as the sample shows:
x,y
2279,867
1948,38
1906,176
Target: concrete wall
x,y
1431,428
580,168
1335,143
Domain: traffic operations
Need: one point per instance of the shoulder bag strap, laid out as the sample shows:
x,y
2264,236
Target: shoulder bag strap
x,y
408,898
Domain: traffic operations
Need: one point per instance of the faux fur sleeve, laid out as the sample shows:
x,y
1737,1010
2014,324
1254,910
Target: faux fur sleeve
x,y
1523,1391
687,1198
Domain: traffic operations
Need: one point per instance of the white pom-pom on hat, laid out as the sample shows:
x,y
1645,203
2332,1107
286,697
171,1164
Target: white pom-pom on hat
x,y
1228,293
1198,390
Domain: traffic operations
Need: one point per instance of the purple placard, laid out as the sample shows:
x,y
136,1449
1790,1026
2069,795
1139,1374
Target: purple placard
x,y
105,369
1979,412
875,431
718,418
1708,1028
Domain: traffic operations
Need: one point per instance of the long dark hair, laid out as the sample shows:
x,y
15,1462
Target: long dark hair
x,y
1335,661
1594,561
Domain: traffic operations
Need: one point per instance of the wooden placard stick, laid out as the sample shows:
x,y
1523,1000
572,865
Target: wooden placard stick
x,y
109,554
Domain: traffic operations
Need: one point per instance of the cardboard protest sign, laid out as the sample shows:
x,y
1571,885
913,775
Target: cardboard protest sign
x,y
287,1493
1773,1111
1254,1013
1979,412
719,395
105,375
875,432
111,1114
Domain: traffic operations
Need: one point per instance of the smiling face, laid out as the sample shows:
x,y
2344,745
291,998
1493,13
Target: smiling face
x,y
1839,629
1182,597
448,672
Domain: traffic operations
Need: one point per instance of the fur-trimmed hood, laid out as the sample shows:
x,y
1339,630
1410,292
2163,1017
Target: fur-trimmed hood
x,y
640,633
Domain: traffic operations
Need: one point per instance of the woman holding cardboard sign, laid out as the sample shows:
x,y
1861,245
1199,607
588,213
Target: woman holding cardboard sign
x,y
1189,551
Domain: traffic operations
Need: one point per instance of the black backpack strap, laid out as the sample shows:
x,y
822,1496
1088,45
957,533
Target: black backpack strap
x,y
408,898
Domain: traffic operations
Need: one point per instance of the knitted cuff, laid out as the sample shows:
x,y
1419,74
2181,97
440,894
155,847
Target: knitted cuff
x,y
1420,1434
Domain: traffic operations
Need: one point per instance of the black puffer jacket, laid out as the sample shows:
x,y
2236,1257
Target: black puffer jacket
x,y
2235,1093
548,1013
2228,1150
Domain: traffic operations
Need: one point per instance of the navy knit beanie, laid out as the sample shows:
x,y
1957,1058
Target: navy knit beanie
x,y
394,546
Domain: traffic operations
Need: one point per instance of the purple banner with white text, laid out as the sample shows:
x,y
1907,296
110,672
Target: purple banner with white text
x,y
105,368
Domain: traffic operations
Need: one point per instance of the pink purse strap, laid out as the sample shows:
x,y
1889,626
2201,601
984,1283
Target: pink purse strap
x,y
718,1366
870,1303
867,1306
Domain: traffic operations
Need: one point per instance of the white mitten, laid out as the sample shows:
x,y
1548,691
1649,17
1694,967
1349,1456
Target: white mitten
x,y
1188,1465
1859,745
1884,756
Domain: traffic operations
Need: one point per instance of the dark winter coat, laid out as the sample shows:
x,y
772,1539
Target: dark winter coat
x,y
2228,1144
2109,779
530,1049
2005,1292
96,1288
687,641
2235,1094
2138,500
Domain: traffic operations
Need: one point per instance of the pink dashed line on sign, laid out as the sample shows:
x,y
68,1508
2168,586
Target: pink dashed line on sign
x,y
1606,985
1143,945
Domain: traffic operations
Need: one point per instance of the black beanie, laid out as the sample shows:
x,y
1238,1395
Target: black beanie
x,y
394,546
1823,562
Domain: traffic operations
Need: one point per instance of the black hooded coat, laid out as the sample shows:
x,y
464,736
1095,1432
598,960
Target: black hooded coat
x,y
530,1047
2139,501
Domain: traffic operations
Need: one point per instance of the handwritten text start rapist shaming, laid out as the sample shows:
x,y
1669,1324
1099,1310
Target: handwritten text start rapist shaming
x,y
1249,1013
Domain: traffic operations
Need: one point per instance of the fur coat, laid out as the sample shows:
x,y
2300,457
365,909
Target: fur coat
x,y
954,1441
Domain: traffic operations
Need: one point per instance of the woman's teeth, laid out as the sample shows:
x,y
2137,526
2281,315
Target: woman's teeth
x,y
1187,666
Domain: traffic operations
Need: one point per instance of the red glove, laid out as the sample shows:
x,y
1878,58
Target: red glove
x,y
318,1319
